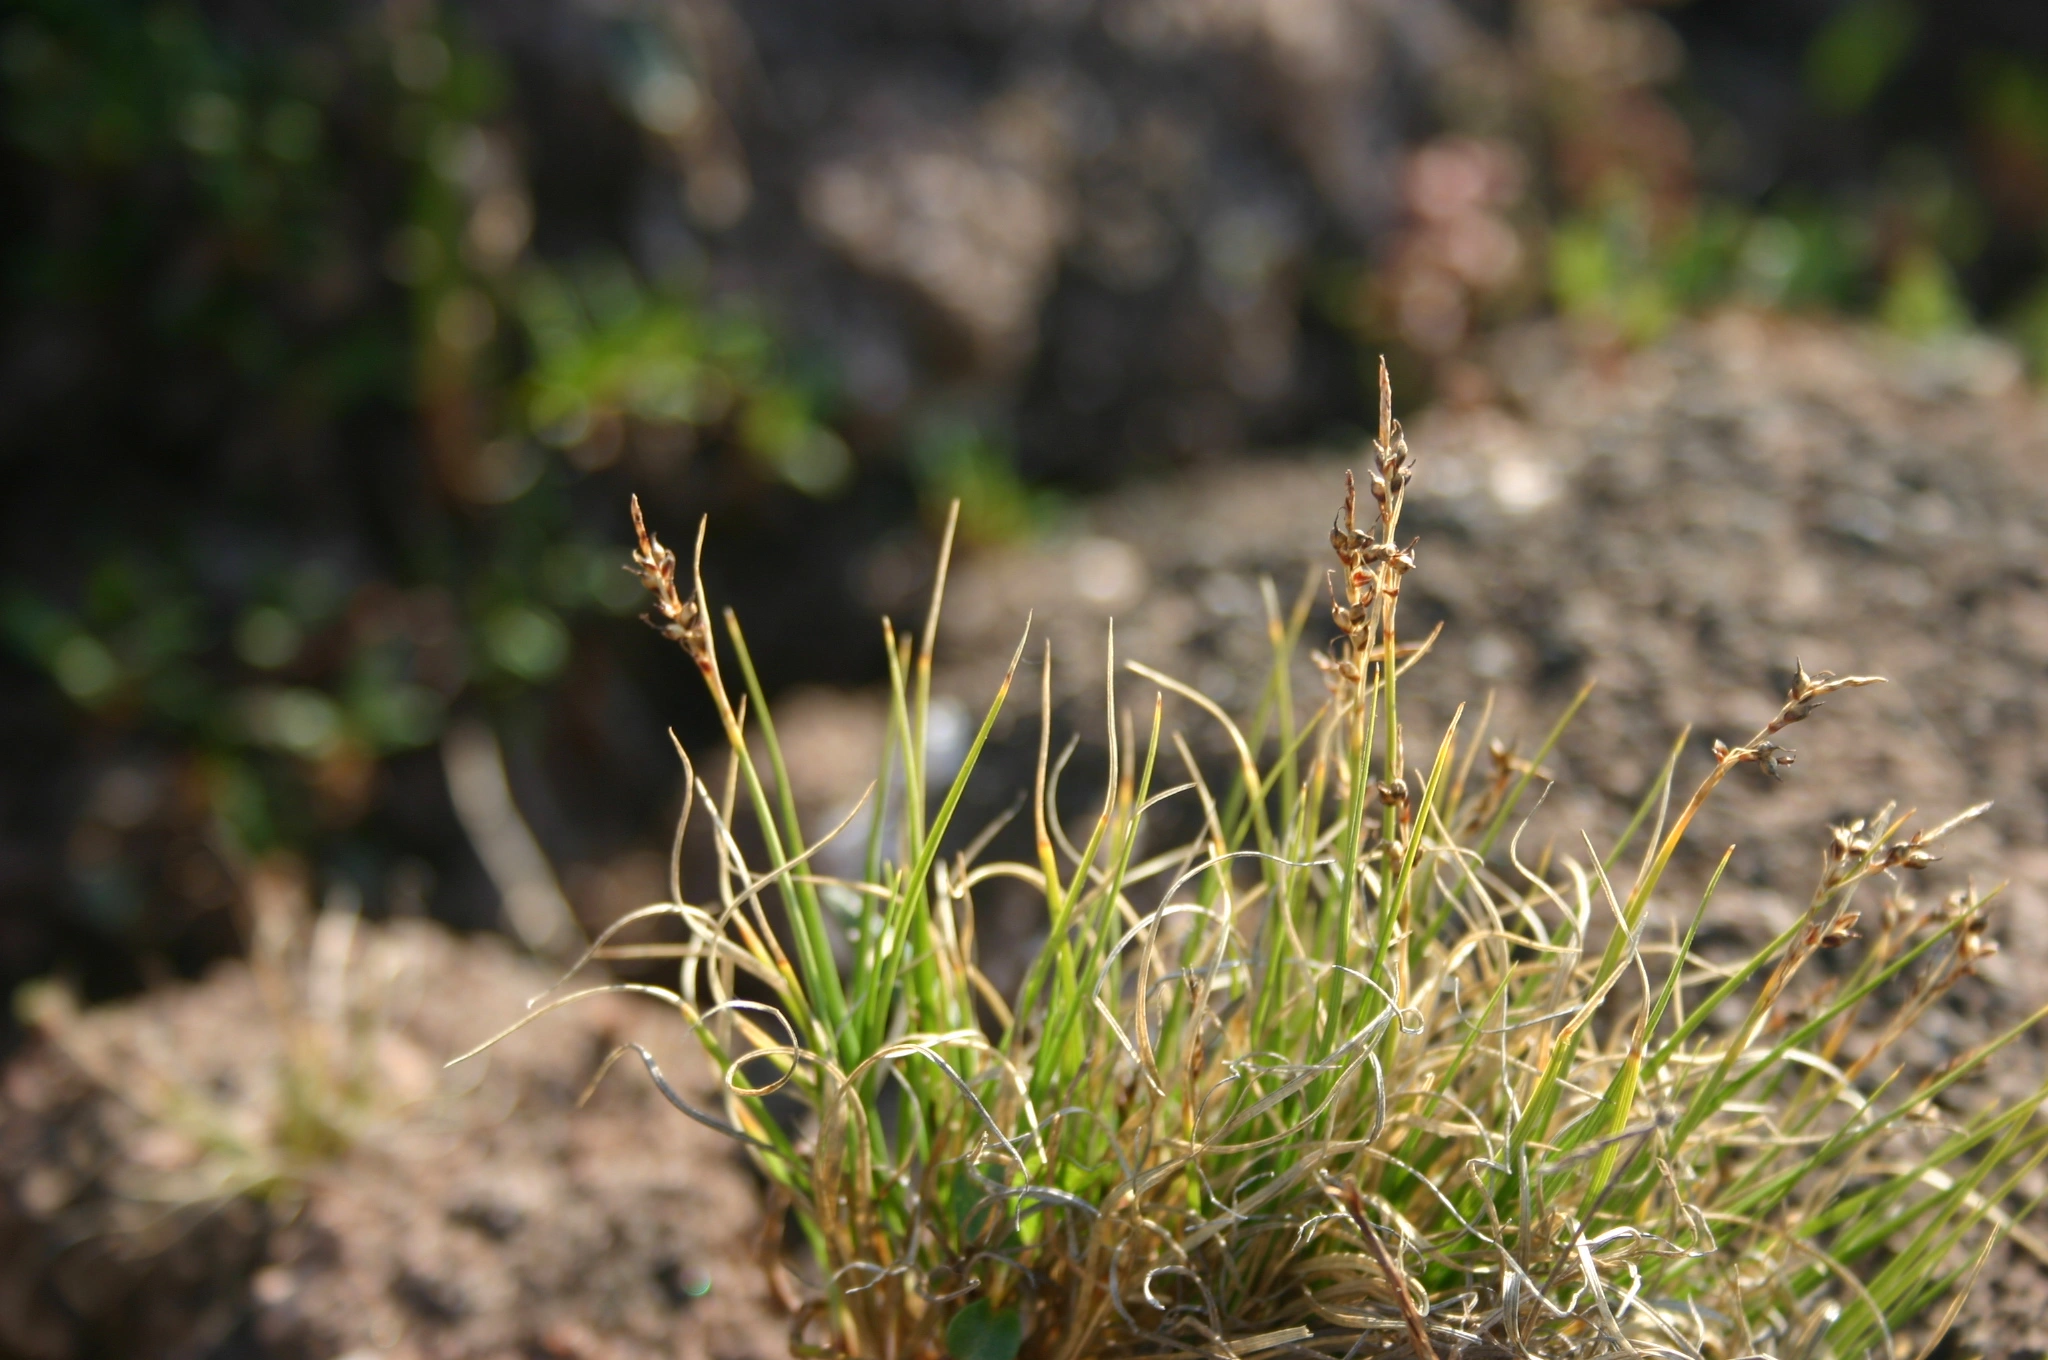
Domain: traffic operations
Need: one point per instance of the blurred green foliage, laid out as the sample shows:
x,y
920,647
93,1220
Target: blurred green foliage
x,y
1897,248
290,697
1610,263
1857,50
954,458
608,350
351,230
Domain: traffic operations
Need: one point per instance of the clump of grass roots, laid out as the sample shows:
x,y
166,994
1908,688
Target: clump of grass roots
x,y
1342,1075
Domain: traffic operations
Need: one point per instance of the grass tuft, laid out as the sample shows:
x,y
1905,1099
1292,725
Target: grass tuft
x,y
1343,1075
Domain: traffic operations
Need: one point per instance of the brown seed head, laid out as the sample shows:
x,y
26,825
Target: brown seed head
x,y
1809,690
1840,931
675,617
1906,855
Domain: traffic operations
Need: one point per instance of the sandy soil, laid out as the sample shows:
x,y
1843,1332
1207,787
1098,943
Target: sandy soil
x,y
481,1215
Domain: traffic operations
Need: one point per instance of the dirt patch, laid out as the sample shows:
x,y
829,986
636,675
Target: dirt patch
x,y
484,1217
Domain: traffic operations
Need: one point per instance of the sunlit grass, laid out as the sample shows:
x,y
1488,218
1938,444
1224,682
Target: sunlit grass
x,y
1344,1074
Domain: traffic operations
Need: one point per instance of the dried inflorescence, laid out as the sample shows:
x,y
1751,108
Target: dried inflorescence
x,y
1808,692
678,618
1374,563
1870,846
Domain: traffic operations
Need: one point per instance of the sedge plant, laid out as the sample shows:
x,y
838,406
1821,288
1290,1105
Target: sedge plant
x,y
1343,1074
